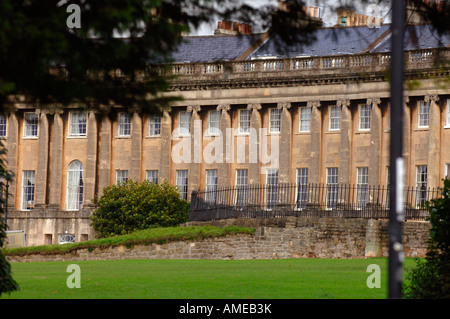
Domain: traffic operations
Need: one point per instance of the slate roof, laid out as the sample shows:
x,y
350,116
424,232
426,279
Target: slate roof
x,y
213,48
417,37
329,41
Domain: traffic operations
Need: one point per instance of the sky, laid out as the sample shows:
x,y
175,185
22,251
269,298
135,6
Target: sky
x,y
328,15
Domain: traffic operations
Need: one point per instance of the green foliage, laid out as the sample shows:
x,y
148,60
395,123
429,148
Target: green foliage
x,y
7,283
132,206
431,277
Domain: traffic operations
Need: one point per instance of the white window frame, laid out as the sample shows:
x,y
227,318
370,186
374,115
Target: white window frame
x,y
241,183
154,125
243,119
31,126
213,123
423,118
184,126
182,181
75,126
302,187
447,113
362,183
28,190
304,123
332,187
152,176
274,120
211,177
3,126
74,194
121,176
124,124
272,179
447,170
335,119
421,181
362,109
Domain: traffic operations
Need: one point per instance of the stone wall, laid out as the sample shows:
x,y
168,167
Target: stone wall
x,y
273,238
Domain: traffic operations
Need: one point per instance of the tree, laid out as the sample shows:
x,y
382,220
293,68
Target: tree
x,y
431,277
132,206
7,283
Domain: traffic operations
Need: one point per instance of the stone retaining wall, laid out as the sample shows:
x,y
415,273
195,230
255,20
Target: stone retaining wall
x,y
273,238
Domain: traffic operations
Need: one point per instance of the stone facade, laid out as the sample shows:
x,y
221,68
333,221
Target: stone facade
x,y
273,239
303,90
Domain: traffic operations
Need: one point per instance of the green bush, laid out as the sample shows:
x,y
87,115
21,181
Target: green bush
x,y
132,206
430,278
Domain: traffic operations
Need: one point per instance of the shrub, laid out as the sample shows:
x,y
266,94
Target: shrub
x,y
132,206
431,277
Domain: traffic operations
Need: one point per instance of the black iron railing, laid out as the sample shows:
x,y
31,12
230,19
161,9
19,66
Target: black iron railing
x,y
314,200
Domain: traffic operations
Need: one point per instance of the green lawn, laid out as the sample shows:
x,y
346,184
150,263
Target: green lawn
x,y
204,279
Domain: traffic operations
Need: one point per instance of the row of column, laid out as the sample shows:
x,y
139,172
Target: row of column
x,y
99,148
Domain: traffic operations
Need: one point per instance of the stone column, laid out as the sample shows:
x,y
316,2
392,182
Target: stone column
x,y
284,171
406,138
11,157
345,144
375,142
434,141
196,149
166,148
42,161
224,167
136,147
105,164
90,172
254,171
316,142
57,160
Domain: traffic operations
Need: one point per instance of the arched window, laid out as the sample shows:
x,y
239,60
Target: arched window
x,y
75,185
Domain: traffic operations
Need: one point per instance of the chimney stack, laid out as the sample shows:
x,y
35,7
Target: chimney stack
x,y
226,27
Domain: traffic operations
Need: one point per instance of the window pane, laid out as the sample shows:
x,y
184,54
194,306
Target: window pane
x,y
121,176
244,121
241,186
211,185
424,108
3,122
364,117
28,182
275,120
152,176
182,183
31,124
302,187
305,119
124,124
272,189
362,186
154,126
214,122
75,185
335,118
332,187
78,122
421,177
185,123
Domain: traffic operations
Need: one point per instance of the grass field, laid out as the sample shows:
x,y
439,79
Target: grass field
x,y
203,279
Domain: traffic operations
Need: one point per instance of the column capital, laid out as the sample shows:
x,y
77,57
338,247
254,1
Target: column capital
x,y
313,104
193,108
374,102
429,98
406,99
342,103
254,106
284,105
223,107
